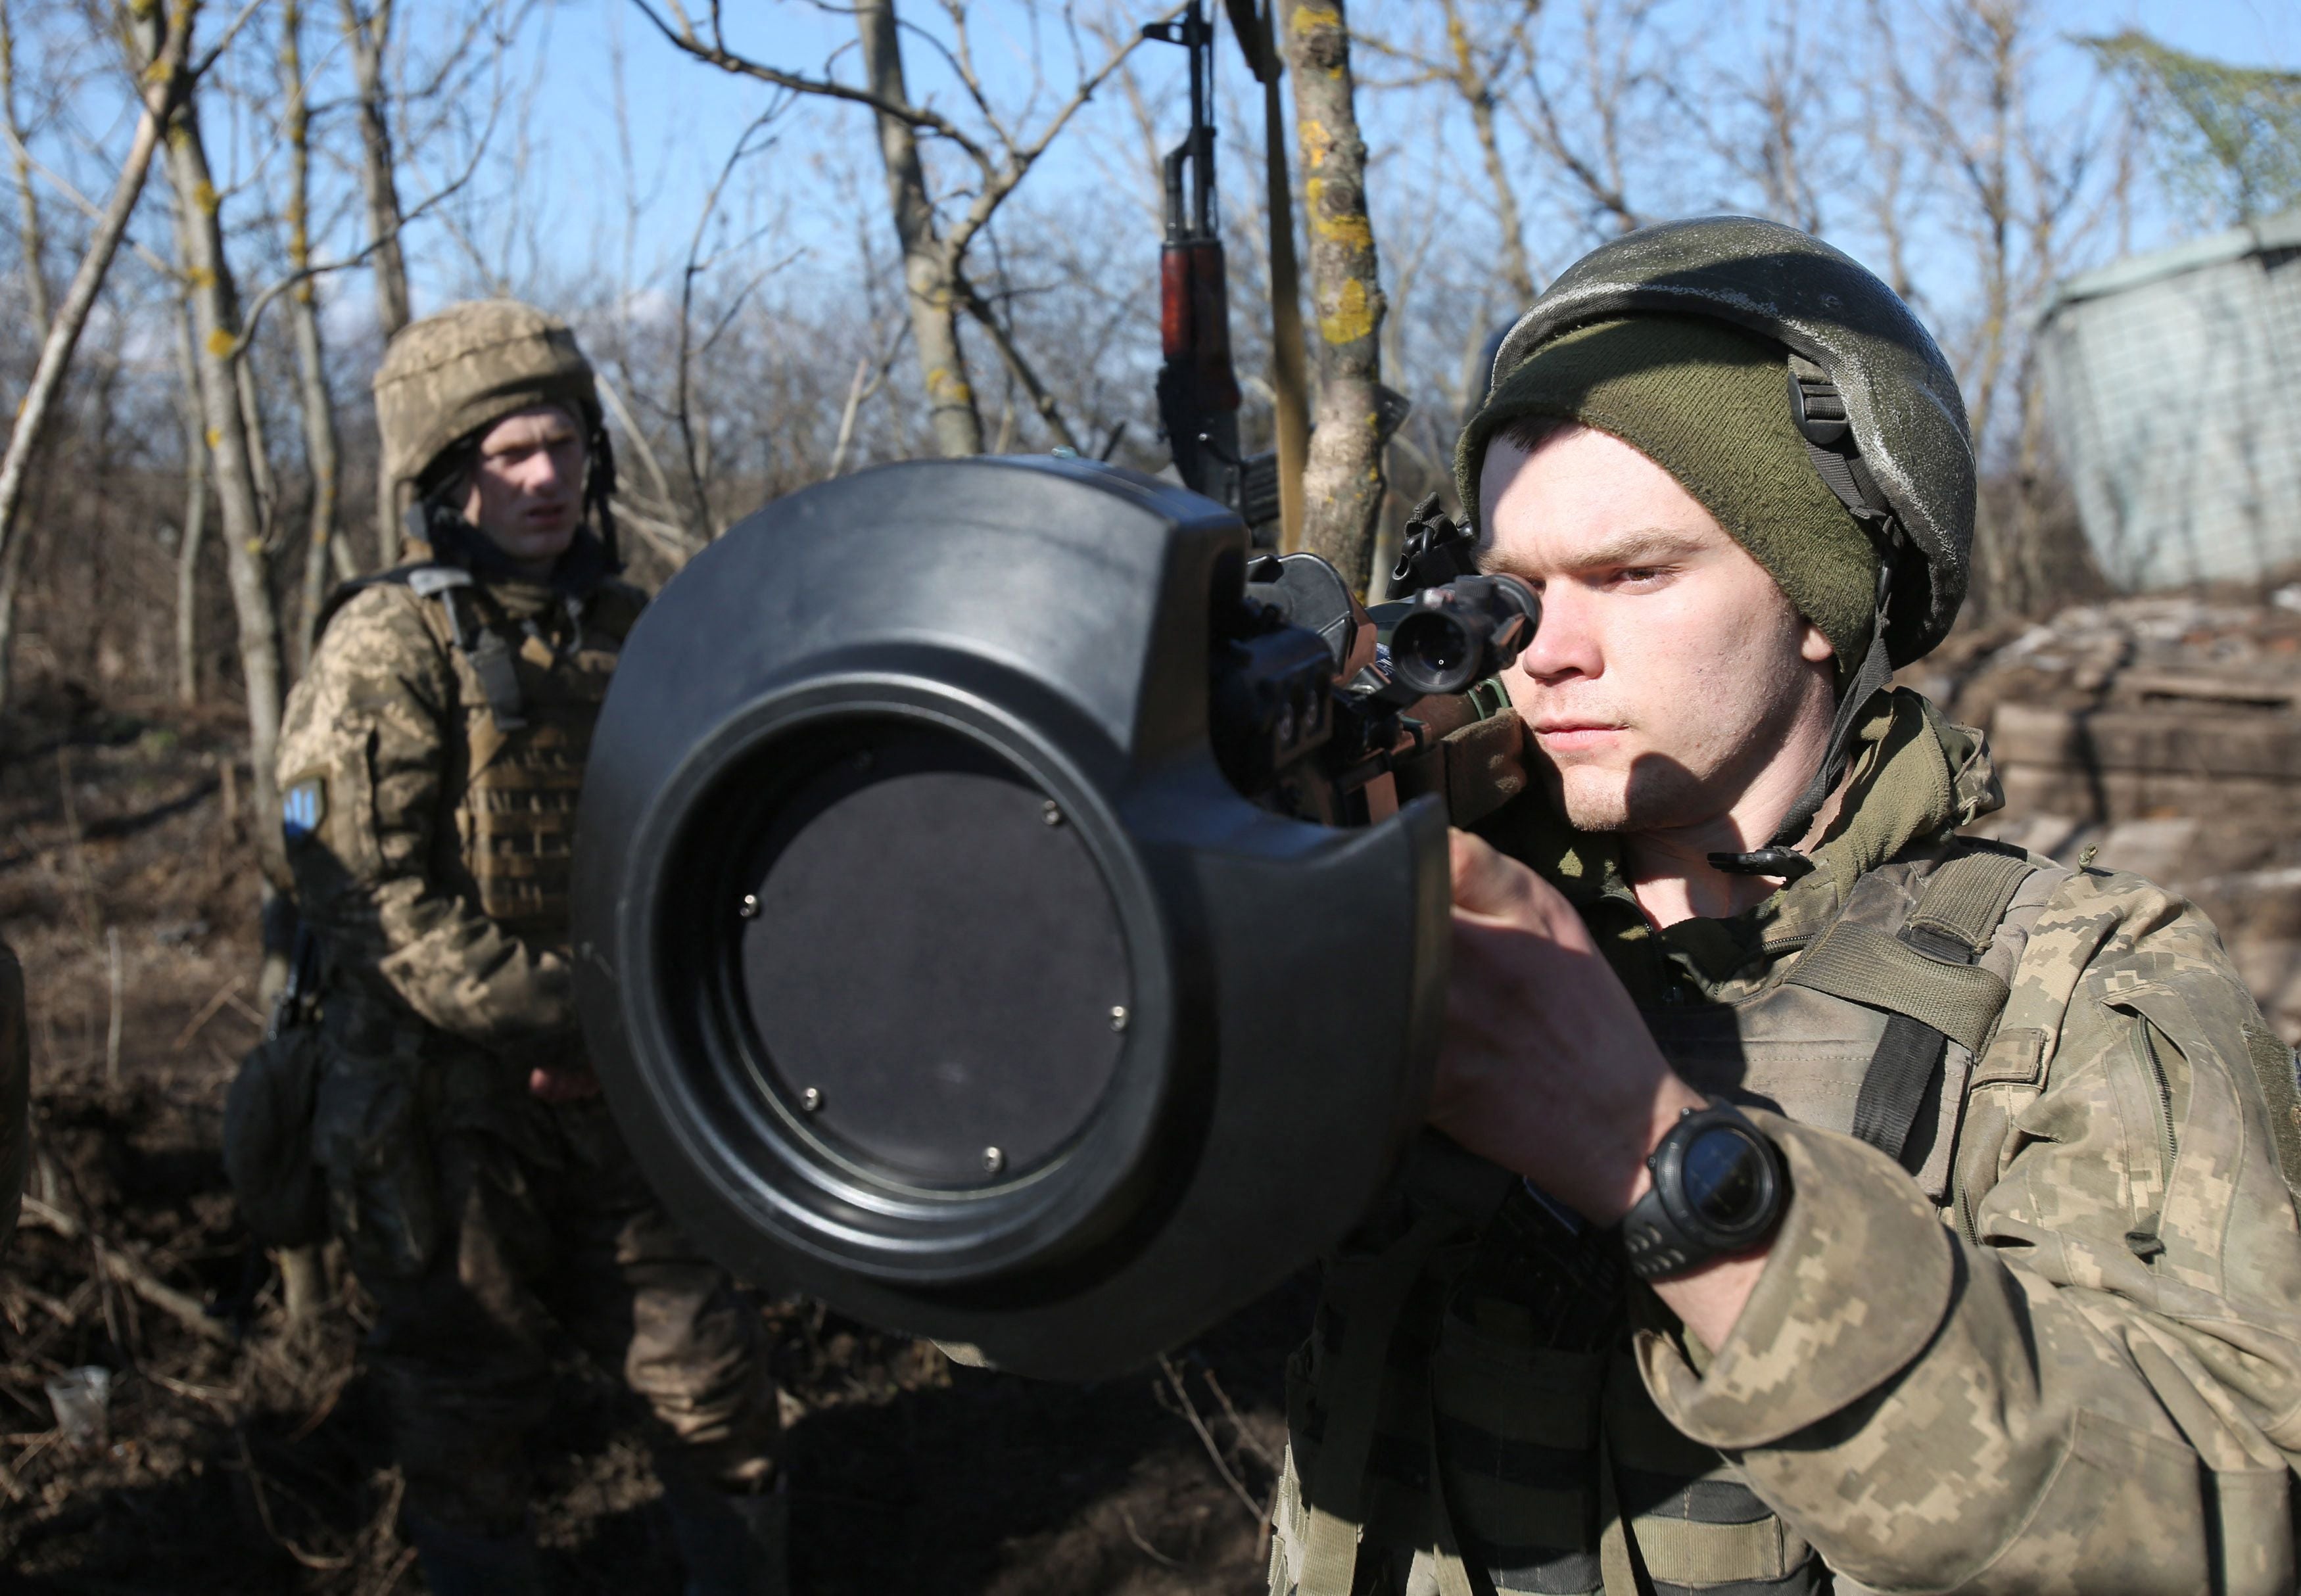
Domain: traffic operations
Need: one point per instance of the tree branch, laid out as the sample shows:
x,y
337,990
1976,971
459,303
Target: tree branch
x,y
717,55
161,88
1000,182
1041,400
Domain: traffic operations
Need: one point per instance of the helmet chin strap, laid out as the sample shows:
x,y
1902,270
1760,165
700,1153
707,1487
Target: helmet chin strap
x,y
1819,412
599,491
1780,856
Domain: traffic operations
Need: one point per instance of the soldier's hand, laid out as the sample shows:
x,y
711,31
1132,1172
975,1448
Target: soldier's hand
x,y
1545,1066
562,1083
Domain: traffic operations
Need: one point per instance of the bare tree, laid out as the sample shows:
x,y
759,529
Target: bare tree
x,y
160,90
1342,482
1583,122
28,235
935,274
2022,187
217,347
927,275
323,551
1484,53
1289,357
1776,117
369,34
195,510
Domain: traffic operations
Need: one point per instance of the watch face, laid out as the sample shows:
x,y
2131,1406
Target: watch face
x,y
1724,1177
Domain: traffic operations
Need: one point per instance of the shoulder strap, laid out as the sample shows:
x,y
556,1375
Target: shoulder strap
x,y
343,593
1925,978
489,653
452,585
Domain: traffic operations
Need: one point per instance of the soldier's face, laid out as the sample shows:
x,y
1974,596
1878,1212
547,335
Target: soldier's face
x,y
1669,672
527,485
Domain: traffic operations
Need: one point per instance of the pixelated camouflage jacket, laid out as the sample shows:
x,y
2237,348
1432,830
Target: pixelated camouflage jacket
x,y
2064,1355
387,741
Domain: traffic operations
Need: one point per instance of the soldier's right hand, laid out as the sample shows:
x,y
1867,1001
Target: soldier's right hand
x,y
1545,1066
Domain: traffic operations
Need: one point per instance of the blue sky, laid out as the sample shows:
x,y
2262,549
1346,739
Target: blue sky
x,y
583,206
684,116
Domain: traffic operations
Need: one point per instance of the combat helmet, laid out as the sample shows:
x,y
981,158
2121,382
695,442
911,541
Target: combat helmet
x,y
450,376
1876,403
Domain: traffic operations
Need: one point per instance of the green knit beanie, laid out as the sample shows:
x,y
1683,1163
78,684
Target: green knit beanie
x,y
1709,404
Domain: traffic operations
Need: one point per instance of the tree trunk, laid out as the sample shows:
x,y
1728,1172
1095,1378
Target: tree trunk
x,y
322,545
928,278
27,202
196,514
215,351
11,572
1478,94
369,35
160,88
259,446
1290,391
1343,484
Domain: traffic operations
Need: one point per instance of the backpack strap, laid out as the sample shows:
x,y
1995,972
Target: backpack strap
x,y
1925,978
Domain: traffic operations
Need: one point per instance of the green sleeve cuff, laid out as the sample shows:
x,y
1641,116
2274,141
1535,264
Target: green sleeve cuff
x,y
1857,1283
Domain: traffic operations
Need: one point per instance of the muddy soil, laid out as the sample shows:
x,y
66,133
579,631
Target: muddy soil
x,y
239,1458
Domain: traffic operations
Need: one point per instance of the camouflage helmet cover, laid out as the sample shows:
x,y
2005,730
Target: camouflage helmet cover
x,y
446,376
1902,400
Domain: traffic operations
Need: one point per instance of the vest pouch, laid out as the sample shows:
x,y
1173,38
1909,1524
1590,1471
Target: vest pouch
x,y
267,1139
369,1136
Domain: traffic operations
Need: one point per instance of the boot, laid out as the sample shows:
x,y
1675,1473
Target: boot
x,y
732,1545
461,1562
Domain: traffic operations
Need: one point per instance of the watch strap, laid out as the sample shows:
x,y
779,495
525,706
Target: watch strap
x,y
1663,1237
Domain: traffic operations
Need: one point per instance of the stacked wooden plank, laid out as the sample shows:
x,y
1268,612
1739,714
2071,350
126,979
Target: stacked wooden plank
x,y
2163,735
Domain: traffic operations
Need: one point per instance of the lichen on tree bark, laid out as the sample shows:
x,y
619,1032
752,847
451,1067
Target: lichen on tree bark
x,y
1342,482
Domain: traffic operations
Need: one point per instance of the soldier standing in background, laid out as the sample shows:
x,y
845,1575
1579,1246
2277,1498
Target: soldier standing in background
x,y
1952,1176
430,768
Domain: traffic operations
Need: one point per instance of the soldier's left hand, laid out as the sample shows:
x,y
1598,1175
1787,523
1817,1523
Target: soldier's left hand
x,y
1545,1066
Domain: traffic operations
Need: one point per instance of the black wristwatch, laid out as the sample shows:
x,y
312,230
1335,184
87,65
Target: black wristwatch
x,y
1718,1188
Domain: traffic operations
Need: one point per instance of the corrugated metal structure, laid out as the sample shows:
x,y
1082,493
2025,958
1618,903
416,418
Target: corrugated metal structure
x,y
2173,380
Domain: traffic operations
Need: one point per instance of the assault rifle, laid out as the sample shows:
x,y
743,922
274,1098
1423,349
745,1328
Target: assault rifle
x,y
1197,390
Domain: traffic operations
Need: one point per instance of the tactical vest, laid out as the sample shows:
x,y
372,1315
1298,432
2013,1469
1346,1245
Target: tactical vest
x,y
1466,1416
529,690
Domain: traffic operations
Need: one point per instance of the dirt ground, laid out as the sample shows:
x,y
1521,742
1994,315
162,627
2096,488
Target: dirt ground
x,y
240,1459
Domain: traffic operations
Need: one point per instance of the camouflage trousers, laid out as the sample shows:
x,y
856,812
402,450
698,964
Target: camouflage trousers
x,y
534,1253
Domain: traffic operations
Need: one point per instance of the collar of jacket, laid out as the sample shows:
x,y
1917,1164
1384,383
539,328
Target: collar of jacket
x,y
1914,779
579,574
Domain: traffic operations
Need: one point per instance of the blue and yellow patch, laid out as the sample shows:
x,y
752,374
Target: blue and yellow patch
x,y
303,806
